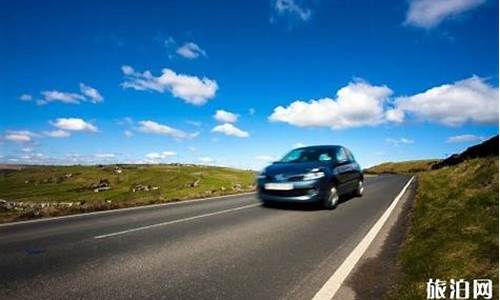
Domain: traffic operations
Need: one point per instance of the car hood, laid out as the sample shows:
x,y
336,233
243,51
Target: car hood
x,y
293,168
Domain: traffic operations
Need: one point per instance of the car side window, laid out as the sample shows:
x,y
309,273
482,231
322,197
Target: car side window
x,y
325,157
341,156
350,156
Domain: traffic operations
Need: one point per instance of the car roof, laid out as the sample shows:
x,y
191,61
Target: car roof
x,y
321,147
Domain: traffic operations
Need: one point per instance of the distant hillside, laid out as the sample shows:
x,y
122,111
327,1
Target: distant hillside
x,y
405,167
485,149
53,190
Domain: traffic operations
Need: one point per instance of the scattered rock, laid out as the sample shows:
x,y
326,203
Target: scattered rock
x,y
102,189
144,188
101,186
194,183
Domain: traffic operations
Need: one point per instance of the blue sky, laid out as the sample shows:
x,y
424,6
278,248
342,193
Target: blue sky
x,y
127,81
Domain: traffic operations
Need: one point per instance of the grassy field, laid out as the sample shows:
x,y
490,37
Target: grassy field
x,y
454,228
405,167
74,184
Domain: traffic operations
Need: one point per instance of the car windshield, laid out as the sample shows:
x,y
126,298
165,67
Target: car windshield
x,y
309,155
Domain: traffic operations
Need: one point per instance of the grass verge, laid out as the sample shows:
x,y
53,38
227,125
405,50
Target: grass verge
x,y
454,228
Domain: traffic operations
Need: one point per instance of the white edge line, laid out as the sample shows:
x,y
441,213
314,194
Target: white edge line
x,y
113,210
175,221
333,284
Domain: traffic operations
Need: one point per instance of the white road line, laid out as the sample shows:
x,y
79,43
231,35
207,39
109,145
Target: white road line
x,y
332,285
175,221
114,210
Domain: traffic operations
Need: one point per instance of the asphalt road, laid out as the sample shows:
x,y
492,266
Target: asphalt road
x,y
229,248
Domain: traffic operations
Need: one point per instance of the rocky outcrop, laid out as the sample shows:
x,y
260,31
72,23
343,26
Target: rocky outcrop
x,y
485,149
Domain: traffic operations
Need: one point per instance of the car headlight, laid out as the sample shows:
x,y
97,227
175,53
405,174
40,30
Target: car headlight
x,y
314,175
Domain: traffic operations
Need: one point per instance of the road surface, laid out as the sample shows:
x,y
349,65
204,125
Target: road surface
x,y
228,248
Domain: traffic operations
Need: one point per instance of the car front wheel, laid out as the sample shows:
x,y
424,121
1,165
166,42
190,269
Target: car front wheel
x,y
360,188
332,199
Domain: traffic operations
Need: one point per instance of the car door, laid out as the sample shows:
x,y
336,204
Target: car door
x,y
342,171
354,171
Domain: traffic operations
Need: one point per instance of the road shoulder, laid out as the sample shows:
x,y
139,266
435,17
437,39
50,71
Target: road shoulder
x,y
374,274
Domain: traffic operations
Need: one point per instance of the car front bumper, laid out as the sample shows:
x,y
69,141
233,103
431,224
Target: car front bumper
x,y
306,191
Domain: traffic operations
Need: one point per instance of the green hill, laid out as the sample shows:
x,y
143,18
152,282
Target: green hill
x,y
86,188
404,167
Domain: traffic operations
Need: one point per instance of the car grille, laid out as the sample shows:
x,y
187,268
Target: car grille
x,y
291,193
287,178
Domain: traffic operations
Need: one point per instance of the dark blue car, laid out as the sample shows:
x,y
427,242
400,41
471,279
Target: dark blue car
x,y
319,174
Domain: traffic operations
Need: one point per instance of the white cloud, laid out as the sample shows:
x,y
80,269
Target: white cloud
x,y
169,42
88,93
126,121
395,115
399,141
231,130
206,159
190,50
105,155
57,133
74,124
357,104
251,111
225,116
299,145
429,13
265,158
468,100
70,98
194,123
91,93
26,97
127,70
19,136
362,104
464,138
290,7
128,133
160,155
191,89
157,128
32,157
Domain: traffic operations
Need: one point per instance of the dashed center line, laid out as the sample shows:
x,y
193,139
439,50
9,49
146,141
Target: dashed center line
x,y
174,221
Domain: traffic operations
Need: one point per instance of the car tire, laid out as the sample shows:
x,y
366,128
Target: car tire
x,y
360,188
332,199
266,203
